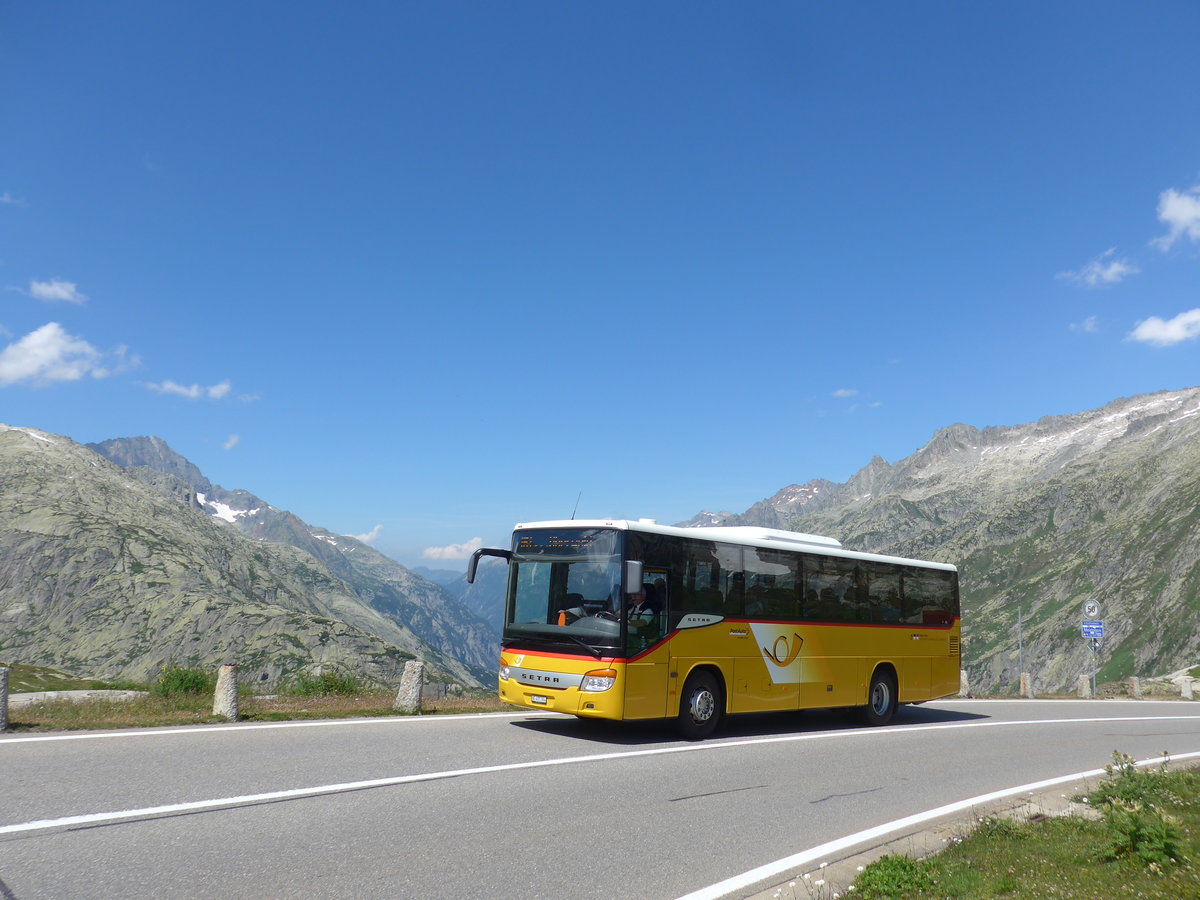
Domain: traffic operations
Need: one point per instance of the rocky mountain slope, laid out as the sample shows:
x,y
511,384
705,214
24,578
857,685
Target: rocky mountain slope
x,y
1043,516
111,572
425,608
485,597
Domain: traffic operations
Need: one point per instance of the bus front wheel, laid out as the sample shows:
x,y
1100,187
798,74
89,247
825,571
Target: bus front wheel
x,y
881,698
699,706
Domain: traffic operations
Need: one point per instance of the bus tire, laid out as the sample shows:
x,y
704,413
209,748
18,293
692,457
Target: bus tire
x,y
700,706
881,698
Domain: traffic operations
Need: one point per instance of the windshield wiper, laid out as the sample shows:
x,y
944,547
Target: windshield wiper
x,y
582,643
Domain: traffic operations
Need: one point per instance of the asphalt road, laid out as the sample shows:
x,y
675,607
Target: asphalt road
x,y
504,806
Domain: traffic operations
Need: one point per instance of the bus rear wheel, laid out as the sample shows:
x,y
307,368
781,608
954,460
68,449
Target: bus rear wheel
x,y
699,706
881,698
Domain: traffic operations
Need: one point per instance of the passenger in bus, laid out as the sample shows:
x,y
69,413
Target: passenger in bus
x,y
660,587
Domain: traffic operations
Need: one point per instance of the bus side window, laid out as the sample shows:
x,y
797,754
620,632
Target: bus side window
x,y
929,597
735,592
663,558
883,593
829,589
772,583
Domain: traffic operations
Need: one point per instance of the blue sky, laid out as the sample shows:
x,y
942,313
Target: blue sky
x,y
421,271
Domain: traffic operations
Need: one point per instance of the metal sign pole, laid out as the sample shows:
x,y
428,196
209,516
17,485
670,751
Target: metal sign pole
x,y
1095,657
1092,629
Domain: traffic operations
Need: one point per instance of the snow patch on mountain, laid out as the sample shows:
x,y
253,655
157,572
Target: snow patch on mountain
x,y
332,541
223,510
29,431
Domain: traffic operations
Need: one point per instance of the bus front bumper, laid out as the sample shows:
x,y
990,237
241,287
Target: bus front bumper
x,y
573,693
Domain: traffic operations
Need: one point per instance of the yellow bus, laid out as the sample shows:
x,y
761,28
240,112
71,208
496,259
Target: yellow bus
x,y
615,619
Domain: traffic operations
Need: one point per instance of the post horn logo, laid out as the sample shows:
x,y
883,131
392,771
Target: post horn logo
x,y
784,651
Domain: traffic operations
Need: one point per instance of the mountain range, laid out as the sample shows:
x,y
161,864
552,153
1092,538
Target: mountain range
x,y
120,557
1041,517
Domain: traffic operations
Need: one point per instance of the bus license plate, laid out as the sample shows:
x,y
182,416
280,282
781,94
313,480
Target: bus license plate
x,y
538,699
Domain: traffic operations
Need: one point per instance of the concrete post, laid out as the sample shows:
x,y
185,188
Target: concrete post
x,y
1135,687
1083,687
1026,685
225,699
408,698
1185,689
964,686
3,698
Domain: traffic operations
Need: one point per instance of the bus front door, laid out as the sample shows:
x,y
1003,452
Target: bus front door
x,y
647,655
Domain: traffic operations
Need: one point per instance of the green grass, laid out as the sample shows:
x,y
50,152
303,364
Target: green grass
x,y
175,680
326,684
1144,843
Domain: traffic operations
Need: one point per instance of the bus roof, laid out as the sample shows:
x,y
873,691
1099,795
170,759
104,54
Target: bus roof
x,y
747,535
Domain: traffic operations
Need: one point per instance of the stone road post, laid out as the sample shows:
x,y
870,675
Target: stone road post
x,y
408,698
225,700
1026,689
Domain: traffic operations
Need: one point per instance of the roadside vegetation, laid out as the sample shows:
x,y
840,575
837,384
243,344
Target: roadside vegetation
x,y
1143,840
184,696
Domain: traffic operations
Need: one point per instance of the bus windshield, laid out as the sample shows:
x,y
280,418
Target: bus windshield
x,y
565,587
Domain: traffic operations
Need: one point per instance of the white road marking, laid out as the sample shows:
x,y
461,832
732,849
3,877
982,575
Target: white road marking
x,y
702,747
813,854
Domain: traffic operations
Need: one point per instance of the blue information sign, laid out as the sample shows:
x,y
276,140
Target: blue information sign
x,y
1093,629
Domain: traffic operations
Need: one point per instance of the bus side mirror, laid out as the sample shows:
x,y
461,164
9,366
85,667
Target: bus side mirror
x,y
633,576
484,551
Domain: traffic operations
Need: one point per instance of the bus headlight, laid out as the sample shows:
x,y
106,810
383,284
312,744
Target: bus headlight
x,y
600,680
504,673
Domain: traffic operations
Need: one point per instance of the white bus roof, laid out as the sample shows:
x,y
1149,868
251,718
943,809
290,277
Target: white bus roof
x,y
749,535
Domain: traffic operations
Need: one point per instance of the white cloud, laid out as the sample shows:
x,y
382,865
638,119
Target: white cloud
x,y
47,355
193,391
1090,325
1180,212
1184,327
454,551
232,441
370,537
219,391
7,199
1103,271
845,392
54,290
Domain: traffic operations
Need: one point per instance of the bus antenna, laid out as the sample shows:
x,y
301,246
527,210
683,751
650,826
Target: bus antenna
x,y
576,509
